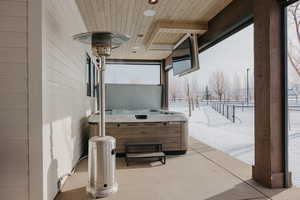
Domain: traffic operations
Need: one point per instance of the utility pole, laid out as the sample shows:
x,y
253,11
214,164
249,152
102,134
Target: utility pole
x,y
247,100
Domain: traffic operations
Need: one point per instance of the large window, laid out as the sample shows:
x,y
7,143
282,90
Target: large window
x,y
132,74
293,54
219,98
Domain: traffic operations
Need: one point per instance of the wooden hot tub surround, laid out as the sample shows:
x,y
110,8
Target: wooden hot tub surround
x,y
173,135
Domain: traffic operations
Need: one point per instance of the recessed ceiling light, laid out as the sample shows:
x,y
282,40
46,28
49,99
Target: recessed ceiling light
x,y
149,13
135,48
153,1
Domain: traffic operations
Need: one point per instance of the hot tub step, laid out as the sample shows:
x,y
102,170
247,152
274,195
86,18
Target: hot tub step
x,y
145,155
157,153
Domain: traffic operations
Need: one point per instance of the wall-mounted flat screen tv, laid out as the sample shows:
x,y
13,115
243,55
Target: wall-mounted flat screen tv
x,y
185,56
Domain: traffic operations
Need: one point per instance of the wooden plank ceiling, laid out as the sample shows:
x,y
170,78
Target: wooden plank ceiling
x,y
126,16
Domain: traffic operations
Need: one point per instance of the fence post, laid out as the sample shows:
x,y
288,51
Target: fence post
x,y
223,109
233,113
227,114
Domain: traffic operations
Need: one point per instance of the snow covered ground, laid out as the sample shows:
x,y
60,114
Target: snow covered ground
x,y
237,139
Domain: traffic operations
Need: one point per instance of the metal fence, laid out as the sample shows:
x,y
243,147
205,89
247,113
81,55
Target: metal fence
x,y
227,110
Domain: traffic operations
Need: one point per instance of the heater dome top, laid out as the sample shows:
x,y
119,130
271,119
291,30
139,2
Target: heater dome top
x,y
102,38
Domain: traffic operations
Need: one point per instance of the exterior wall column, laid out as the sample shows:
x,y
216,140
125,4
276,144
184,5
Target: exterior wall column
x,y
269,92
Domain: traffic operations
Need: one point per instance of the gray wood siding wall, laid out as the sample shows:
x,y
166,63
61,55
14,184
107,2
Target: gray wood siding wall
x,y
13,100
66,105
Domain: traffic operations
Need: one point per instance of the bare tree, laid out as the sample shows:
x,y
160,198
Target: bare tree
x,y
195,93
188,94
217,84
174,90
207,94
227,89
294,45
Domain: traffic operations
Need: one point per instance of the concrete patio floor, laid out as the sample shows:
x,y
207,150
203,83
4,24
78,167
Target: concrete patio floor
x,y
204,173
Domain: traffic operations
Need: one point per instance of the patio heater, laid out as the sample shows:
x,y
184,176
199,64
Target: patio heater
x,y
102,153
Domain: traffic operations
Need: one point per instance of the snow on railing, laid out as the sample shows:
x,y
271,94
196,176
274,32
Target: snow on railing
x,y
226,110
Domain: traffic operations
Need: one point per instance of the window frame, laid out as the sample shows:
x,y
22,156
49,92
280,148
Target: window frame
x,y
284,60
88,75
94,81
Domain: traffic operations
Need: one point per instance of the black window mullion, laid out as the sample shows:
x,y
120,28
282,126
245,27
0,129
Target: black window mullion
x,y
89,71
94,80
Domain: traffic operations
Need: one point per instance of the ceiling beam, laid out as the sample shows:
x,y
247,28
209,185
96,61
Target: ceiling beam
x,y
182,27
237,15
176,28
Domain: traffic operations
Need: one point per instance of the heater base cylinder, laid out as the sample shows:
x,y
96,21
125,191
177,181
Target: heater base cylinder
x,y
101,167
96,194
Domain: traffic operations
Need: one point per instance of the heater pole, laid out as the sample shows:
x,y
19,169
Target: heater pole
x,y
101,96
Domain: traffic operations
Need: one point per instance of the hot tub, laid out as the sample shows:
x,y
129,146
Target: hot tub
x,y
128,126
